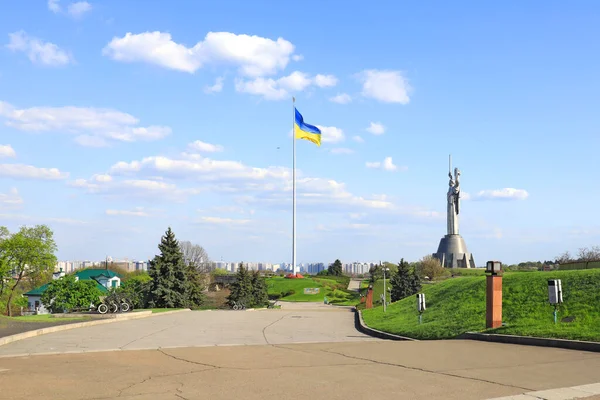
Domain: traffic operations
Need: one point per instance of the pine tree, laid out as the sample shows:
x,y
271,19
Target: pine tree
x,y
167,270
241,289
194,286
415,281
259,290
403,282
335,269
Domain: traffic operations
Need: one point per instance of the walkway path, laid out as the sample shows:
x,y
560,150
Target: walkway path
x,y
202,328
354,284
265,355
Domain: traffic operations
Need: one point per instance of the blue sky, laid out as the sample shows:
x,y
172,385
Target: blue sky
x,y
119,119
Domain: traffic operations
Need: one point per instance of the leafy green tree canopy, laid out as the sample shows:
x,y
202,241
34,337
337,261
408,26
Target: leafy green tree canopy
x,y
68,293
28,255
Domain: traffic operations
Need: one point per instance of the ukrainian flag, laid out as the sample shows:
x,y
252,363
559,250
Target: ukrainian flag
x,y
306,131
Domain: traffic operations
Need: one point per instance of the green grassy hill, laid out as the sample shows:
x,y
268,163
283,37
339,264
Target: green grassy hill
x,y
293,289
457,305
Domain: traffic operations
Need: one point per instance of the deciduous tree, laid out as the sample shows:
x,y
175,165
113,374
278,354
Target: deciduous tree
x,y
196,255
29,254
67,293
430,267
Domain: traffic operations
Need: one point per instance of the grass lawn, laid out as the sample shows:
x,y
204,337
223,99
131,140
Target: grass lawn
x,y
457,305
157,310
43,318
293,289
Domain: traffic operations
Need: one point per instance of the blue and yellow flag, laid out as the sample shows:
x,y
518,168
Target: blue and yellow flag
x,y
306,131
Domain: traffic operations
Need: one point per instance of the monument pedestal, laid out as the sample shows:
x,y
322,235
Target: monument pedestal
x,y
452,253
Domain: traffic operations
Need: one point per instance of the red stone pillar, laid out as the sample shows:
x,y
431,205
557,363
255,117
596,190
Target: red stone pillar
x,y
369,298
493,312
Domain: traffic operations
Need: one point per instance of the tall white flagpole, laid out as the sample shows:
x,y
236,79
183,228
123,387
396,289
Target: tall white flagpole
x,y
294,187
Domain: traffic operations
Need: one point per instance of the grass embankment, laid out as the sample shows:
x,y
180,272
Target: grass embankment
x,y
157,310
43,318
457,305
334,288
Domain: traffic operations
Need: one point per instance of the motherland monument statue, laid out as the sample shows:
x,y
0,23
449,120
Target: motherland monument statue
x,y
452,251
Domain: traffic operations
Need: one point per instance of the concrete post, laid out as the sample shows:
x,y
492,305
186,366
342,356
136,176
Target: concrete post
x,y
493,312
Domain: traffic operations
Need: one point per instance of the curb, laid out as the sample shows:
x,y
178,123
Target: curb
x,y
533,341
60,328
362,327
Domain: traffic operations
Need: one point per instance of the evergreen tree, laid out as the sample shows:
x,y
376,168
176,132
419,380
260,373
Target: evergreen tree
x,y
167,270
415,280
241,289
259,290
335,269
194,286
404,282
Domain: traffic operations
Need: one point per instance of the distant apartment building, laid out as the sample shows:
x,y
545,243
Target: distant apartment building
x,y
315,268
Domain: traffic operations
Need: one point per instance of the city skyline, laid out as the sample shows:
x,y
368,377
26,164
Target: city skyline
x,y
118,121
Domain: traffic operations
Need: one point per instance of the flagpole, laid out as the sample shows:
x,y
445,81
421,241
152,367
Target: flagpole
x,y
294,186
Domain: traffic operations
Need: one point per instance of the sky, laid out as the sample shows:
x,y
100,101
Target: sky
x,y
120,119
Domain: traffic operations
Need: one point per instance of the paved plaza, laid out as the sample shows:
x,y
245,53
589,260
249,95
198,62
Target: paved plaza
x,y
300,351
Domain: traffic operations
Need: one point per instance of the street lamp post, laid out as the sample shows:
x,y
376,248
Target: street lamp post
x,y
384,290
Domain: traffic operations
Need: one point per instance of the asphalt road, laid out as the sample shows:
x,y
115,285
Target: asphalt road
x,y
265,355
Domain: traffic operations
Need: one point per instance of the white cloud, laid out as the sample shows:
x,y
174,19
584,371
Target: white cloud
x,y
296,81
216,88
278,89
38,51
150,189
254,55
102,178
200,168
93,125
38,219
387,165
341,98
376,128
325,80
90,141
358,139
268,88
76,10
385,86
331,134
342,150
297,57
10,199
204,147
6,150
502,194
224,221
251,186
54,6
21,171
137,212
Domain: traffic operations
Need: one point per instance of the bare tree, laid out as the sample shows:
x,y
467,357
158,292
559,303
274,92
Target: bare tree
x,y
589,254
194,254
564,258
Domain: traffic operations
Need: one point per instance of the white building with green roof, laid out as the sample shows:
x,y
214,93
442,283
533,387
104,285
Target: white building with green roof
x,y
105,280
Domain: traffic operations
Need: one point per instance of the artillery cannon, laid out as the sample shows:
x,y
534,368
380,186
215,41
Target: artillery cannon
x,y
114,303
